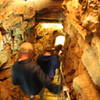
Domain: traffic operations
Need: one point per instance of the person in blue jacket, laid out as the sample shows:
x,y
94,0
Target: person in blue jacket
x,y
48,62
29,76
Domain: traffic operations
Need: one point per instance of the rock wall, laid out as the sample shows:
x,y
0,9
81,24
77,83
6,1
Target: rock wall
x,y
82,61
17,21
16,18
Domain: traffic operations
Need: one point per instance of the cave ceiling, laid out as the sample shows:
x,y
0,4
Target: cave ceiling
x,y
51,13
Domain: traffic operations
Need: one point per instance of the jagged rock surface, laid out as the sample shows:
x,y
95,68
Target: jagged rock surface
x,y
82,25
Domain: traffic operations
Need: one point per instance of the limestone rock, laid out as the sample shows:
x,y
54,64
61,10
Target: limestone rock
x,y
11,22
91,62
84,89
13,12
5,55
1,42
82,22
96,46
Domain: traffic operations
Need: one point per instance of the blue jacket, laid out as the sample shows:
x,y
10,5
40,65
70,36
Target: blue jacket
x,y
48,64
31,78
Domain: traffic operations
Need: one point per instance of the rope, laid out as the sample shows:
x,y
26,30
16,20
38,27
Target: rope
x,y
64,82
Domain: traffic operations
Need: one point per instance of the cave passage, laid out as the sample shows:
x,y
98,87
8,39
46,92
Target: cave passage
x,y
70,27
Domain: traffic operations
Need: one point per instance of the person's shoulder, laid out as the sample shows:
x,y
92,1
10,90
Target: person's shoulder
x,y
41,55
15,63
54,56
36,66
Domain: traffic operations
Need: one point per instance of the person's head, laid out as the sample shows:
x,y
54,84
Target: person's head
x,y
48,50
58,47
26,49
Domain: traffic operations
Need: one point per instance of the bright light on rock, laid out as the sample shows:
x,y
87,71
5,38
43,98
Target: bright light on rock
x,y
52,25
75,3
60,40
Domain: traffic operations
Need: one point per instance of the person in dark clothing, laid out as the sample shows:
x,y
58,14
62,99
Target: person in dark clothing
x,y
29,76
48,62
58,49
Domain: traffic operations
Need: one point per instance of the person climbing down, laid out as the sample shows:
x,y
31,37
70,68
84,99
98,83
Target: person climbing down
x,y
29,75
48,62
